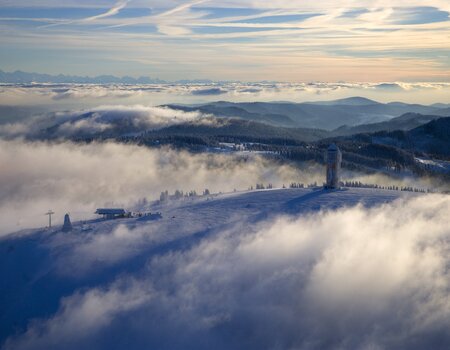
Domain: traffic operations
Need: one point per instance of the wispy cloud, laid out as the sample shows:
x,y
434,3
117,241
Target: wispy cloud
x,y
180,8
385,40
111,12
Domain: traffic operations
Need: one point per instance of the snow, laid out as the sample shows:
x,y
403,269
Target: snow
x,y
239,148
437,165
39,267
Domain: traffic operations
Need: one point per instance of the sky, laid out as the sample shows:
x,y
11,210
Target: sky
x,y
245,40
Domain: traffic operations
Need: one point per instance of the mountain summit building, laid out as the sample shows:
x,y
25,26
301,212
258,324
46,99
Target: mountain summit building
x,y
333,160
112,213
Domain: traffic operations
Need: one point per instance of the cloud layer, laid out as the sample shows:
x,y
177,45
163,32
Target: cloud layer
x,y
78,96
78,178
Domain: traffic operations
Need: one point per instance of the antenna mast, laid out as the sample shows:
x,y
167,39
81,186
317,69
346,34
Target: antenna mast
x,y
49,213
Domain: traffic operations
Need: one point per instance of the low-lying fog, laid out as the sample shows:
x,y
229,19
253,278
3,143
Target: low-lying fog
x,y
78,178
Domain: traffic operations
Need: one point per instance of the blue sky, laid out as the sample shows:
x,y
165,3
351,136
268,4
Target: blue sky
x,y
247,40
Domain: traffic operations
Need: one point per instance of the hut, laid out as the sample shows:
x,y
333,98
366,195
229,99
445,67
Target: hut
x,y
111,213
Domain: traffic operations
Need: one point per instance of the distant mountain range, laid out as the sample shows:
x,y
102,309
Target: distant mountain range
x,y
410,142
431,138
405,122
255,121
339,116
409,129
19,77
423,150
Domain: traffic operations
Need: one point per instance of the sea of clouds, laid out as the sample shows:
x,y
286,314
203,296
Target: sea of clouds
x,y
91,95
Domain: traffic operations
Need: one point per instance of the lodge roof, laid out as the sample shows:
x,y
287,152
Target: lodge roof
x,y
110,211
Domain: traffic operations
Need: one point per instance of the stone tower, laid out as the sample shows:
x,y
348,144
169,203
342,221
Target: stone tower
x,y
333,160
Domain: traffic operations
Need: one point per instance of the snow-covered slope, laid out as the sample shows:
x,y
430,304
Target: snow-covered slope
x,y
44,270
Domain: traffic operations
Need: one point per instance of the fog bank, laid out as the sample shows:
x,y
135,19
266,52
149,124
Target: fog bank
x,y
77,178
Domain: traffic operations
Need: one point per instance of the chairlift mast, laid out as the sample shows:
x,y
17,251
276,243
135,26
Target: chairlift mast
x,y
49,213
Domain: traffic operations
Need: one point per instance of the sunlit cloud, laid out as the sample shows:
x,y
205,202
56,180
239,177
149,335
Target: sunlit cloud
x,y
72,96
